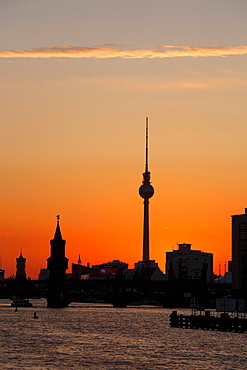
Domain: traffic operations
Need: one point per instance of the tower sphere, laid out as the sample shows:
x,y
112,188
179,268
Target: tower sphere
x,y
146,191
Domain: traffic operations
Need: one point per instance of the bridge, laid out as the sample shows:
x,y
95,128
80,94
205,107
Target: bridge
x,y
120,292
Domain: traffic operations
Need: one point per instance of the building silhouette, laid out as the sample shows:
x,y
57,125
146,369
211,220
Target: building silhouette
x,y
2,274
239,254
187,264
57,264
21,268
116,264
43,274
78,270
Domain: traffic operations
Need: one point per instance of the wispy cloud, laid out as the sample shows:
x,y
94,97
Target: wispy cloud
x,y
112,51
6,233
158,84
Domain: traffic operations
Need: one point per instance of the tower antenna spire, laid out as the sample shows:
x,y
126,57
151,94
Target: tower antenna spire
x,y
146,167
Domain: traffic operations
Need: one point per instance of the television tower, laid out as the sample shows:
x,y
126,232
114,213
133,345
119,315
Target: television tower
x,y
146,191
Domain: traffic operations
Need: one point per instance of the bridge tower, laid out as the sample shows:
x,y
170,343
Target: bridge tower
x,y
57,264
21,267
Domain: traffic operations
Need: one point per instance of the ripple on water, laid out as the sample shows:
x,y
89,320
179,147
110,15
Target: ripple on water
x,y
101,337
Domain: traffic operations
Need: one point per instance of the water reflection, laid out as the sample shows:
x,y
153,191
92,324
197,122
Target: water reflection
x,y
86,336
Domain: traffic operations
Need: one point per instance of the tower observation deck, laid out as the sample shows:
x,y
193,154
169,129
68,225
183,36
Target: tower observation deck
x,y
146,191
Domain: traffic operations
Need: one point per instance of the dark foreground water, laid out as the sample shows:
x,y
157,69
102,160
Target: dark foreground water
x,y
99,337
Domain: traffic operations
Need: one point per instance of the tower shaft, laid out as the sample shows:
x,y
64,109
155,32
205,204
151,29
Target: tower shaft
x,y
145,250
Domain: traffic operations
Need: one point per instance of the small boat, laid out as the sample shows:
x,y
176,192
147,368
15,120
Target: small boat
x,y
19,302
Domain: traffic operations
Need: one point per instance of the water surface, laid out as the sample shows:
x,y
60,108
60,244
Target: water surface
x,y
100,337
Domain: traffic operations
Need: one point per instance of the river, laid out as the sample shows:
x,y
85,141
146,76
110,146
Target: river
x,y
100,337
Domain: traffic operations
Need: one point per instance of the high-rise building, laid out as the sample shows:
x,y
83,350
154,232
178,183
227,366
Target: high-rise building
x,y
187,264
239,254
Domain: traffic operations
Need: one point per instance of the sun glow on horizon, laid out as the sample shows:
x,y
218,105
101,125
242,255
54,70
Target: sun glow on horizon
x,y
75,95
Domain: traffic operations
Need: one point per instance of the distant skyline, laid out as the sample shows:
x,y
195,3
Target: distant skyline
x,y
78,79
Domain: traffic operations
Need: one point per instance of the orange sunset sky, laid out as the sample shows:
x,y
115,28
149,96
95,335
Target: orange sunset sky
x,y
78,79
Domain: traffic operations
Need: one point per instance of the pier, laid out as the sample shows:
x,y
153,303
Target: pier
x,y
206,321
